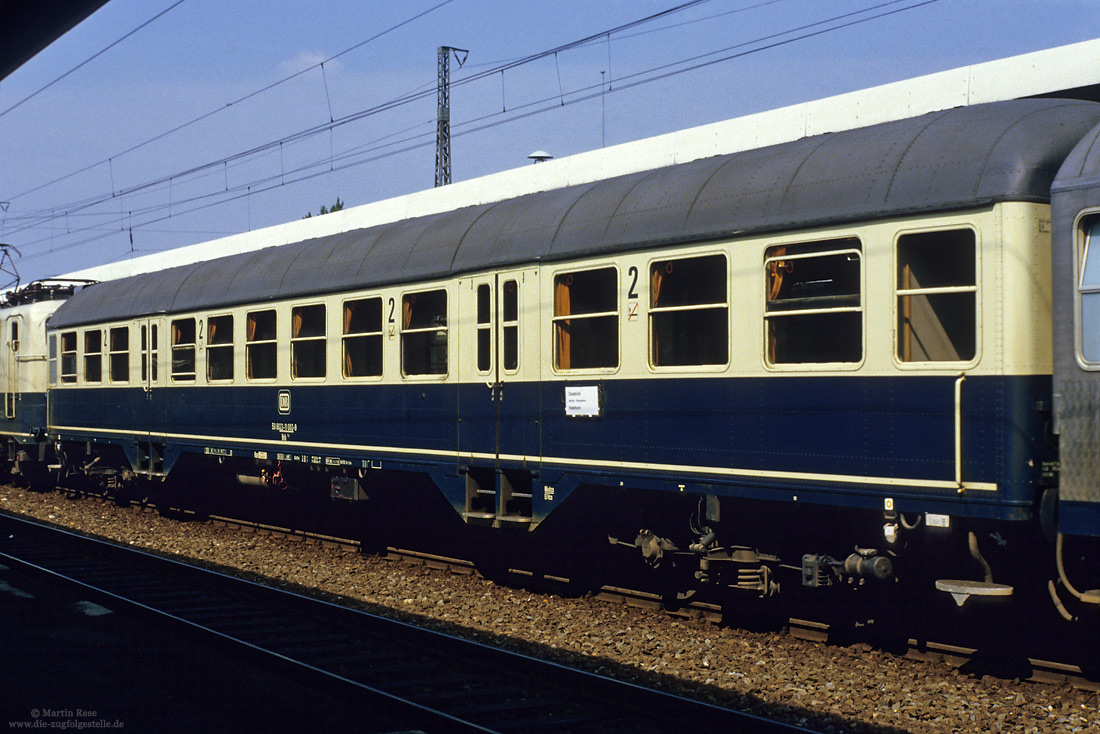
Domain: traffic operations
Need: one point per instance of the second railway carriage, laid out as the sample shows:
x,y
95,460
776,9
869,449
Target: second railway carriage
x,y
829,358
1076,319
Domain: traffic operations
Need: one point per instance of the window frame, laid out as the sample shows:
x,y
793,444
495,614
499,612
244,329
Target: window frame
x,y
52,354
69,378
215,349
898,293
1082,231
484,341
148,338
652,310
89,355
556,320
409,331
840,244
510,329
252,344
346,335
310,341
183,347
116,357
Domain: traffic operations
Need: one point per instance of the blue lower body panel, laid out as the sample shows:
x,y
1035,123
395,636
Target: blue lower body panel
x,y
847,441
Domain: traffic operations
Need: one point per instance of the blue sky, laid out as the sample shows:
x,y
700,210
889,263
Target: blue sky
x,y
75,185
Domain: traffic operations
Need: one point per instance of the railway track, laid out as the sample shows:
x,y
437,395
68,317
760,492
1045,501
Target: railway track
x,y
435,682
1032,669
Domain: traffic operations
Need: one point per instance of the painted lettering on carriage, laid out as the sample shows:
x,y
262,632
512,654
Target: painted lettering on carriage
x,y
286,430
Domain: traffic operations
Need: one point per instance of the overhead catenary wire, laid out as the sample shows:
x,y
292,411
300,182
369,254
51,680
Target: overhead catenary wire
x,y
399,101
350,158
93,57
237,101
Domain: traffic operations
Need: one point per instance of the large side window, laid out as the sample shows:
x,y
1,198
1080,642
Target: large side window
x,y
260,350
586,319
307,341
814,303
219,348
1088,287
424,333
183,350
363,338
688,312
93,355
937,292
68,357
120,354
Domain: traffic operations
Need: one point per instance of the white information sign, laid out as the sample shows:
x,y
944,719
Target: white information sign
x,y
582,401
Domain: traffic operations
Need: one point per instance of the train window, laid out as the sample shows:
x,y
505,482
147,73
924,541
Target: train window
x,y
688,312
14,335
510,325
586,319
183,350
937,295
93,356
120,353
260,351
484,327
424,333
52,371
219,348
149,353
68,357
307,341
363,338
814,303
1088,288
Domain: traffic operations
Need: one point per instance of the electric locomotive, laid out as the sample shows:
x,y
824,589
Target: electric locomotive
x,y
820,364
26,452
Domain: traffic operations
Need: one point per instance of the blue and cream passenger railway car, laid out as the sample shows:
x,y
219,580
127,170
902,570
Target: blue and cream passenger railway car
x,y
822,363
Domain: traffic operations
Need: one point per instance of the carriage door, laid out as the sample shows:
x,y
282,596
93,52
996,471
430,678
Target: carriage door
x,y
503,401
151,365
13,326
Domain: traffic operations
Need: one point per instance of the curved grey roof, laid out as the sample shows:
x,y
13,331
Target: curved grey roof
x,y
964,157
1081,168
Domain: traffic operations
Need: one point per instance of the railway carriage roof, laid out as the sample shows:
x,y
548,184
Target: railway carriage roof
x,y
958,158
1081,169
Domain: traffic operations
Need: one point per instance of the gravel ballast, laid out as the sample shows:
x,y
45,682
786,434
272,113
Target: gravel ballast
x,y
822,687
